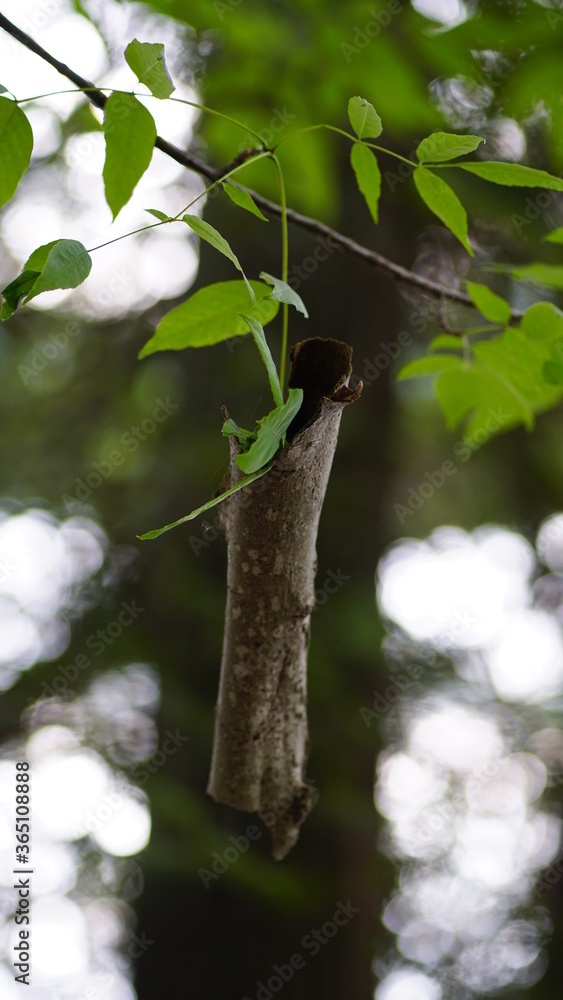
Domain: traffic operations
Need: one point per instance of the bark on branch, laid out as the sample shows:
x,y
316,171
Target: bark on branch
x,y
261,742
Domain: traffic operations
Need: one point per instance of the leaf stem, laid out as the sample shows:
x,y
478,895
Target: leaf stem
x,y
471,331
224,177
217,114
390,152
436,166
177,100
285,249
116,239
71,90
177,217
311,128
348,135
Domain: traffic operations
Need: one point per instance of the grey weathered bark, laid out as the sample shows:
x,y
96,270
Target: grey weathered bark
x,y
261,741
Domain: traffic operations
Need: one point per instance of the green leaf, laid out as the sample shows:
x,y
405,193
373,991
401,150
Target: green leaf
x,y
3,89
446,341
266,355
490,305
230,428
271,433
555,236
146,59
368,176
161,216
432,364
548,275
245,481
513,175
284,293
543,321
66,265
244,200
441,200
364,118
16,144
208,233
210,315
59,264
553,372
510,375
456,394
37,260
130,134
508,379
441,146
16,291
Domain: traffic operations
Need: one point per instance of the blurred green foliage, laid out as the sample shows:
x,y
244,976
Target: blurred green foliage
x,y
295,64
280,66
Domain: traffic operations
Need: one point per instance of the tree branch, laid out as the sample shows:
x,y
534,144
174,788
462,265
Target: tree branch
x,y
338,240
261,741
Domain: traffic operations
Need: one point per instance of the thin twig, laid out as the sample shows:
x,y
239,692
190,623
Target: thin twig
x,y
338,240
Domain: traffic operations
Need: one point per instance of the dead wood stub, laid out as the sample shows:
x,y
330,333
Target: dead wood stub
x,y
261,741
